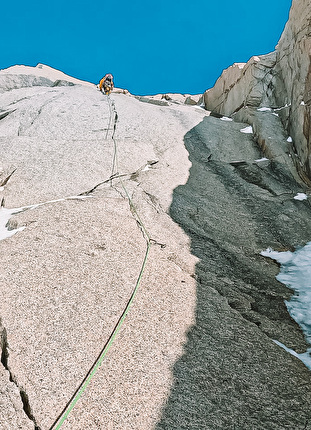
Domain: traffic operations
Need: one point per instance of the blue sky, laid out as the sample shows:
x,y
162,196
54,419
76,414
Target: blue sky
x,y
150,46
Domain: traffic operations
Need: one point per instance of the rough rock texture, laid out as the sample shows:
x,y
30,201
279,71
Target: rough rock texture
x,y
12,415
231,207
280,80
196,350
293,79
242,85
41,75
167,99
67,276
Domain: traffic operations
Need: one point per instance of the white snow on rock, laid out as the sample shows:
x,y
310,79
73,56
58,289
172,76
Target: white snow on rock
x,y
264,109
305,357
247,130
287,105
280,257
225,118
300,196
262,159
289,139
295,273
5,215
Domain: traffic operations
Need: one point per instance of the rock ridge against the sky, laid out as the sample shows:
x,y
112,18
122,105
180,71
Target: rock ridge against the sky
x,y
279,80
197,348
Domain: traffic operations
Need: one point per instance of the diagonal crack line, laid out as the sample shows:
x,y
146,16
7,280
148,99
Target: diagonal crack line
x,y
37,114
44,105
5,114
6,179
4,361
114,176
117,175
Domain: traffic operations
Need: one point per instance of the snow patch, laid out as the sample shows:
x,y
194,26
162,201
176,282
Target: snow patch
x,y
289,139
295,273
6,214
302,103
280,257
264,109
300,196
225,118
262,159
283,107
305,357
248,130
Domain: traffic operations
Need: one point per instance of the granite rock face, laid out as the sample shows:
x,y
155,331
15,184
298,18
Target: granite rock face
x,y
65,283
12,415
166,99
279,80
293,80
11,82
241,85
24,76
197,348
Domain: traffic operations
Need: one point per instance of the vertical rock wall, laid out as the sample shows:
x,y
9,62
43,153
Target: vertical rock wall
x,y
280,80
293,84
241,85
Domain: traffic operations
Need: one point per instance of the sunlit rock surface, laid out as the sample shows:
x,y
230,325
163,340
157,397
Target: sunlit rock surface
x,y
279,80
197,348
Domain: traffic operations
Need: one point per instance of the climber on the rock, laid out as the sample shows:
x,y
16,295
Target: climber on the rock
x,y
106,84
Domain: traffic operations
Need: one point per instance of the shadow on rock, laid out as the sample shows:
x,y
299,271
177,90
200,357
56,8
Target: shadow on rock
x,y
231,374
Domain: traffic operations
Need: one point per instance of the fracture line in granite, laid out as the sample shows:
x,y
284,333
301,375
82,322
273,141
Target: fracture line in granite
x,y
4,361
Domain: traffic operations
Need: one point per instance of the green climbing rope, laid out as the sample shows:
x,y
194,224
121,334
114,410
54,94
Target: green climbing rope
x,y
82,387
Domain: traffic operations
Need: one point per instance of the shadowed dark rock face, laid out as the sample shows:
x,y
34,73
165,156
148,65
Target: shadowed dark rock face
x,y
232,375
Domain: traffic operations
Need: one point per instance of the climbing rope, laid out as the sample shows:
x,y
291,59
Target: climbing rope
x,y
83,385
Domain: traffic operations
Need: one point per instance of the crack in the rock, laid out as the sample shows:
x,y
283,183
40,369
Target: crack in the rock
x,y
252,67
21,99
154,202
37,114
251,174
5,114
114,176
26,406
4,347
4,361
117,175
6,179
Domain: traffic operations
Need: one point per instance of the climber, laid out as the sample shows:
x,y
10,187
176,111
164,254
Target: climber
x,y
106,84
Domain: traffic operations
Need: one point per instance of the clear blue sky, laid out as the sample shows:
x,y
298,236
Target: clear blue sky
x,y
150,46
